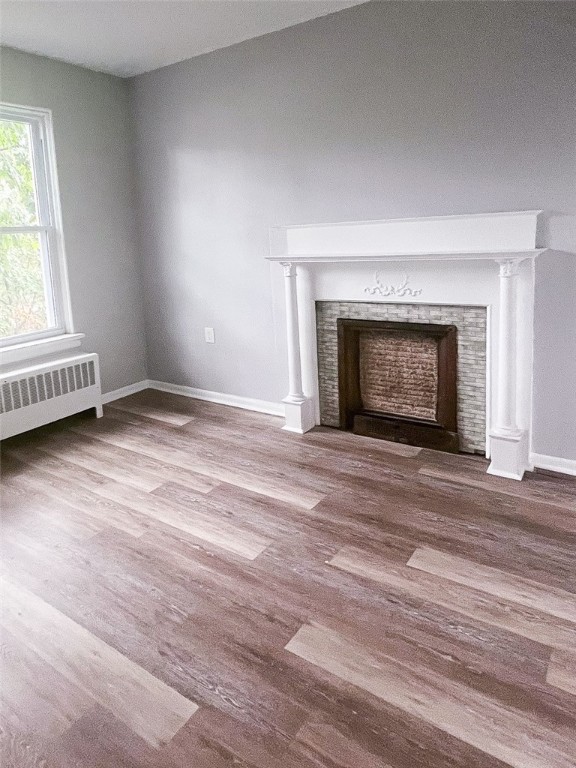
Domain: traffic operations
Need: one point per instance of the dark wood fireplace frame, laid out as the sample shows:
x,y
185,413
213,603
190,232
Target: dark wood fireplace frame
x,y
439,433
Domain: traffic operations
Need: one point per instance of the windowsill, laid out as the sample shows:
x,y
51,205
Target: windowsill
x,y
29,350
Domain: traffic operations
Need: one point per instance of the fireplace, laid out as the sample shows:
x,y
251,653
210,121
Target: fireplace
x,y
420,268
397,381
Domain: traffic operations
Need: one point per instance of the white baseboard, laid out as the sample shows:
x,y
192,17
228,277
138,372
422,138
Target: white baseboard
x,y
248,403
553,463
539,460
131,389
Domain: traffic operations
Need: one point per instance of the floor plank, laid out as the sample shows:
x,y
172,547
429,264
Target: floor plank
x,y
165,415
190,519
562,670
81,438
496,582
100,740
326,742
530,623
76,452
58,488
35,698
173,450
540,490
469,716
148,706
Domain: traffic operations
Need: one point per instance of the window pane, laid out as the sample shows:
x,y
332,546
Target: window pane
x,y
17,190
25,306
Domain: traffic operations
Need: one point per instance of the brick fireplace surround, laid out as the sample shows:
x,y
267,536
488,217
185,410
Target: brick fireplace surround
x,y
473,271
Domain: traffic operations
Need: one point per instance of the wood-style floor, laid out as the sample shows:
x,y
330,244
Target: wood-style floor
x,y
188,586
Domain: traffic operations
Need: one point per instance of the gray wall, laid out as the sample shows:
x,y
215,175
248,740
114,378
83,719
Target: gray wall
x,y
384,110
93,155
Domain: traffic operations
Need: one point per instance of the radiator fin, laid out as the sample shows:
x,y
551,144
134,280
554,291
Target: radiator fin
x,y
46,386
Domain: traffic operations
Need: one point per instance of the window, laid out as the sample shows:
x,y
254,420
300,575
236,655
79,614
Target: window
x,y
33,288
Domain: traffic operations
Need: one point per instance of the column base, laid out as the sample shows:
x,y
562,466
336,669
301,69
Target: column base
x,y
299,414
509,454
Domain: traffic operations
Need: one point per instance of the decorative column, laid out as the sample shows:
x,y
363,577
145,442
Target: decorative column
x,y
508,443
298,409
308,341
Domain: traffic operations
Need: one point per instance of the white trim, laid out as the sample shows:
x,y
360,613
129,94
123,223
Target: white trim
x,y
60,263
7,342
42,347
131,389
553,463
506,474
30,229
247,403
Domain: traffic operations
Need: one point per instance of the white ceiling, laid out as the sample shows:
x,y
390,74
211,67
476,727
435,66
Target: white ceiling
x,y
128,37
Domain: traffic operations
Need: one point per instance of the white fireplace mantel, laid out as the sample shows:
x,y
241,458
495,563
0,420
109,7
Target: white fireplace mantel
x,y
478,236
483,259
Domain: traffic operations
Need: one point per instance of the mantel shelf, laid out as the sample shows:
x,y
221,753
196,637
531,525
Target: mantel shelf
x,y
334,258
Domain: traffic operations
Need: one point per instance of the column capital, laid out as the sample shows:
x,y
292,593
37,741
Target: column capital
x,y
289,268
509,267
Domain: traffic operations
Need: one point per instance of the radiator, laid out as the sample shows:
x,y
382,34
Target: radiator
x,y
46,392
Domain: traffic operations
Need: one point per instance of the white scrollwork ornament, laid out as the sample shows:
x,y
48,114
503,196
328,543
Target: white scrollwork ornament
x,y
382,289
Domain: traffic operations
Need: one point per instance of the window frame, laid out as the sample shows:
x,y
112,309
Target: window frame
x,y
49,227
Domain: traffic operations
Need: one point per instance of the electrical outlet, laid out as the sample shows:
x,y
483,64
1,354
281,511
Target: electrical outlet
x,y
209,335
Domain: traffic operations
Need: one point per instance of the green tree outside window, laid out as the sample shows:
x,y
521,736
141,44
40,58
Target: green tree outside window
x,y
23,305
